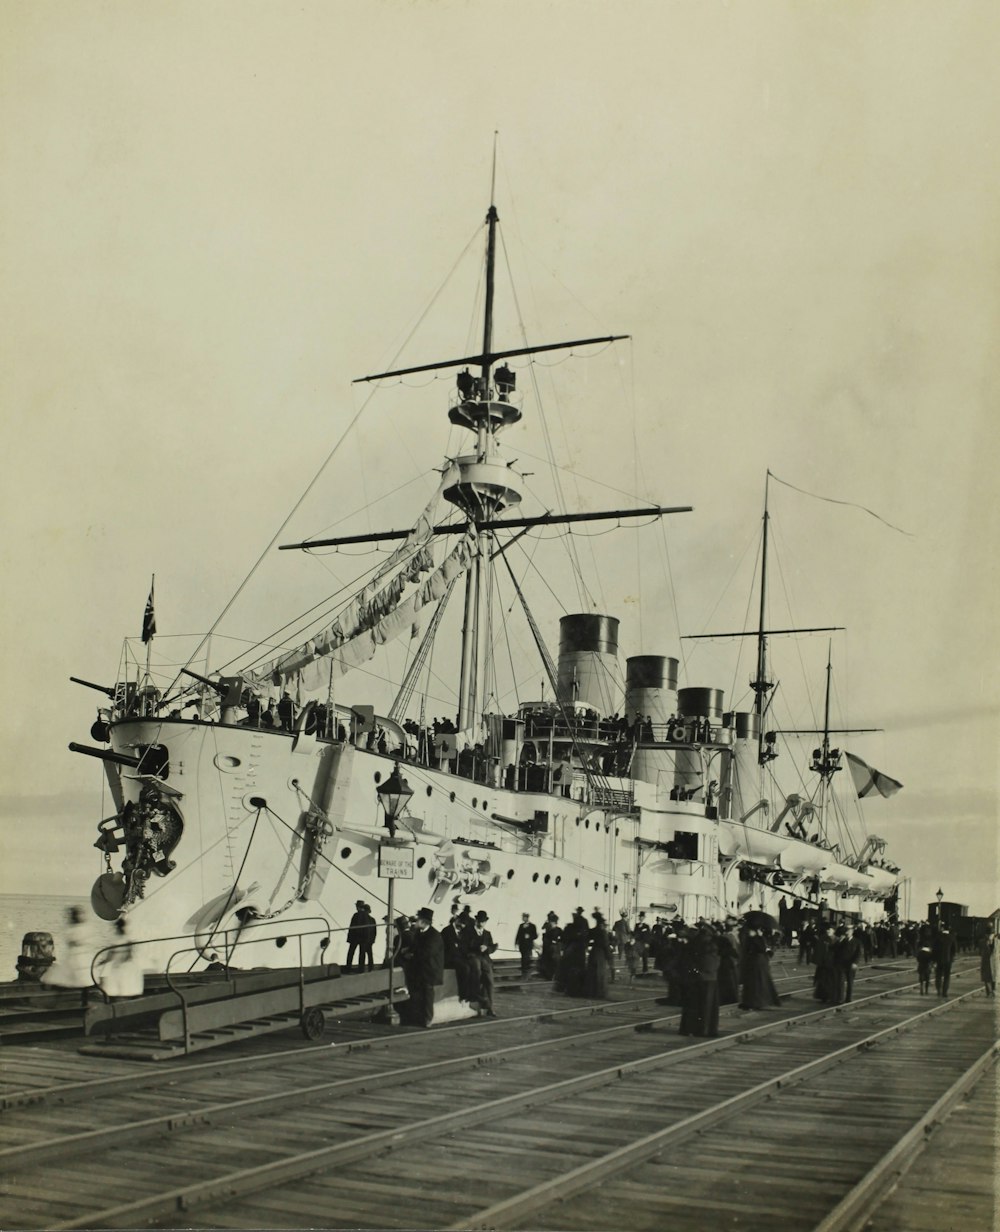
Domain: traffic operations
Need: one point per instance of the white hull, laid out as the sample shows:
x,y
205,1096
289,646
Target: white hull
x,y
248,859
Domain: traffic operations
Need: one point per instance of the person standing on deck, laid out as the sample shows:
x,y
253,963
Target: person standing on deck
x,y
987,971
455,957
728,980
759,992
480,947
356,936
424,967
925,957
599,959
572,971
640,937
548,960
846,956
369,936
944,955
623,940
704,987
527,935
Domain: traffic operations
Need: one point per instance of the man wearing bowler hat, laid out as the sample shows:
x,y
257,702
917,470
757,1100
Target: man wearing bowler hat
x,y
357,933
425,968
480,946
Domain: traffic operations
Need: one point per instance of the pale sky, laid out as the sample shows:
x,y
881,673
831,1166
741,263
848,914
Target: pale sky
x,y
214,216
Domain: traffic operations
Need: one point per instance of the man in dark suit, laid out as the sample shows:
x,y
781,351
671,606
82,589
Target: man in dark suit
x,y
455,956
846,957
356,936
945,948
527,935
424,968
366,955
479,946
640,936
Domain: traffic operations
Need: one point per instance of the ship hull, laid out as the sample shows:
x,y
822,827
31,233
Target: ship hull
x,y
279,837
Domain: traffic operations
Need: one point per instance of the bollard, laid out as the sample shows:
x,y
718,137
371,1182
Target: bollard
x,y
36,956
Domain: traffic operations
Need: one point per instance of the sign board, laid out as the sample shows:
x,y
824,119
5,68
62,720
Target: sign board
x,y
395,862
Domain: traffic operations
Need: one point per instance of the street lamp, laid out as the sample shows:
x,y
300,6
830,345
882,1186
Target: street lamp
x,y
393,795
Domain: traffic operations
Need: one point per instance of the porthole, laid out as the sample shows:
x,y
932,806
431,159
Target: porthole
x,y
510,873
605,887
377,776
578,821
558,880
617,831
595,885
586,824
474,801
546,878
421,862
485,806
576,882
280,942
345,852
451,797
429,789
534,876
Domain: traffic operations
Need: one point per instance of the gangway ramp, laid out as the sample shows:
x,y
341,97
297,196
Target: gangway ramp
x,y
208,1012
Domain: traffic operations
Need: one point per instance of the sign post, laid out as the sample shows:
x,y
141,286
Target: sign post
x,y
395,859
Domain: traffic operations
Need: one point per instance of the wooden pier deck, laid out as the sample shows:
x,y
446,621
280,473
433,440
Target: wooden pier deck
x,y
558,1115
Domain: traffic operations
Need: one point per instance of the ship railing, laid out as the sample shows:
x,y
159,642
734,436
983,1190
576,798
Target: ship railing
x,y
606,796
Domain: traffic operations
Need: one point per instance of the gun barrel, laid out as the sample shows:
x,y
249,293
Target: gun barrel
x,y
120,759
212,684
90,685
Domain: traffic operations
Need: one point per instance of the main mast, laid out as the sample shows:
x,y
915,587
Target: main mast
x,y
760,683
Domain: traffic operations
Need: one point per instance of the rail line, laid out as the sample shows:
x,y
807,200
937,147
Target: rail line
x,y
472,1094
134,1076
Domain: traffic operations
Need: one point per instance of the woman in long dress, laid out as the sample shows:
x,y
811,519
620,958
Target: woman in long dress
x,y
825,979
729,967
572,970
599,959
548,960
759,992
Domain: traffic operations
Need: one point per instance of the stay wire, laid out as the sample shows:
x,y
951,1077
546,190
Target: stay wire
x,y
830,500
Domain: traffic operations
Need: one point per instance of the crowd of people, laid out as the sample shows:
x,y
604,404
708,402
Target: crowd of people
x,y
712,963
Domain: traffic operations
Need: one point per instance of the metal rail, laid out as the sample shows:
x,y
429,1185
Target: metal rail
x,y
167,1074
245,1181
853,1212
236,1110
502,1214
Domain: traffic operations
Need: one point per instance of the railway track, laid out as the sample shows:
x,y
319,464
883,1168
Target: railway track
x,y
565,1100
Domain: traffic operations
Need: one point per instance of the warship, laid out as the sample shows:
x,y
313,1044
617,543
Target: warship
x,y
254,806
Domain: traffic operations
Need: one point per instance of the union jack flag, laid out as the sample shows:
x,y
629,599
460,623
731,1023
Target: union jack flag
x,y
149,619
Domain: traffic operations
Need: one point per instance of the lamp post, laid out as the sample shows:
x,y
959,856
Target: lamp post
x,y
393,795
939,896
